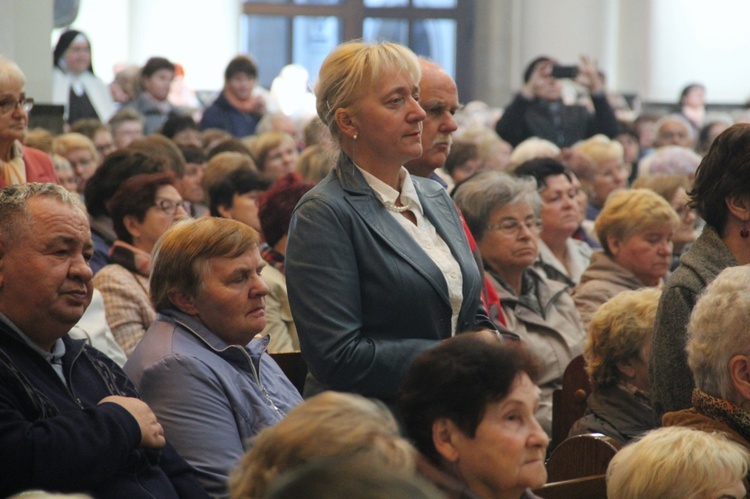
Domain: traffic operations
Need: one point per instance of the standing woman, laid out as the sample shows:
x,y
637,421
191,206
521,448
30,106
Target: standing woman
x,y
378,266
720,197
20,164
74,83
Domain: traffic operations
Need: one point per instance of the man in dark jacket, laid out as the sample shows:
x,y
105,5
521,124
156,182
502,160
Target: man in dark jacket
x,y
238,108
538,111
70,420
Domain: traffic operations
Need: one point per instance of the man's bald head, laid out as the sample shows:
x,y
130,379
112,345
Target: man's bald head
x,y
439,98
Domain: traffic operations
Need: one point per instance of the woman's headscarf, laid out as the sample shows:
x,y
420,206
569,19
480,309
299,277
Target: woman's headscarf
x,y
65,40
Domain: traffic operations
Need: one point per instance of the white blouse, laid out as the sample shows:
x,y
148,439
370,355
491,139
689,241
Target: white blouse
x,y
423,233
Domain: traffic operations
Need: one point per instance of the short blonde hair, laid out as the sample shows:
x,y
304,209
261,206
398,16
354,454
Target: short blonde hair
x,y
331,424
531,148
631,211
10,73
618,331
315,162
40,138
676,462
352,68
601,149
264,143
68,142
182,252
718,331
664,185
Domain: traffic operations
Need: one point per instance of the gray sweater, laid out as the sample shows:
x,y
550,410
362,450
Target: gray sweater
x,y
670,377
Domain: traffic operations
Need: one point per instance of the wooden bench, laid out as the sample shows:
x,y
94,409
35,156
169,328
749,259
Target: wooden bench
x,y
569,402
590,487
581,456
294,367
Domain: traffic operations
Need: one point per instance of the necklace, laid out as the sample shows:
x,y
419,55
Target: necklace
x,y
397,209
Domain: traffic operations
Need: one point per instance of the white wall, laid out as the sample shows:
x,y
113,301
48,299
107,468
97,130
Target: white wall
x,y
202,35
24,25
700,41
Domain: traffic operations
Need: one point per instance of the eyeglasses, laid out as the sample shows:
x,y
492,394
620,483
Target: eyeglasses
x,y
512,227
9,105
171,207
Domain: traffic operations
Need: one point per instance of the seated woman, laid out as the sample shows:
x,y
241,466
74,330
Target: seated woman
x,y
81,153
275,212
561,257
635,228
142,209
275,153
211,384
607,173
502,213
156,79
717,347
674,188
328,425
235,196
720,197
616,353
468,404
676,463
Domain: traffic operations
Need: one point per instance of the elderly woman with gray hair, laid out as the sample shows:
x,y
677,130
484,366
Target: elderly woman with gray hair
x,y
718,350
502,213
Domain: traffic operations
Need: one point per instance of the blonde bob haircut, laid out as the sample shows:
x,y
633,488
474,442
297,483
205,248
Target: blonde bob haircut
x,y
266,142
10,74
353,68
676,463
68,142
664,185
331,424
617,332
181,254
632,211
601,149
718,331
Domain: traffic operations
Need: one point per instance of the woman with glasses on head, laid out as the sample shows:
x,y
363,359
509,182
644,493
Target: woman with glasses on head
x,y
143,208
503,215
20,164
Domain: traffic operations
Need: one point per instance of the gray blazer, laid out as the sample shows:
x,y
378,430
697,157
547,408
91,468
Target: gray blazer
x,y
365,297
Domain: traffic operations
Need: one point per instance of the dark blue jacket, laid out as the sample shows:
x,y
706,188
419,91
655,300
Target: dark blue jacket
x,y
221,114
57,438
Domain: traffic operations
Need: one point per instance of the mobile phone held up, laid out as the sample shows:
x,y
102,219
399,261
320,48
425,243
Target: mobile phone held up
x,y
560,71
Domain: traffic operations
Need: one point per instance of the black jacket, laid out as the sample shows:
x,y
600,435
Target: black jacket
x,y
55,437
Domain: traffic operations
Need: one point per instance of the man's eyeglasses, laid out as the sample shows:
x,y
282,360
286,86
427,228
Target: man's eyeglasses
x,y
9,105
171,207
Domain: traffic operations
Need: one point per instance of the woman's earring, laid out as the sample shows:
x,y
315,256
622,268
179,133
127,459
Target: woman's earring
x,y
354,136
744,233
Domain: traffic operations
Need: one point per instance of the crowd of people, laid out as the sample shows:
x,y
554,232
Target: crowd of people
x,y
437,269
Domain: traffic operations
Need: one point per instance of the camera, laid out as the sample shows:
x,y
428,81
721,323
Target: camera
x,y
559,71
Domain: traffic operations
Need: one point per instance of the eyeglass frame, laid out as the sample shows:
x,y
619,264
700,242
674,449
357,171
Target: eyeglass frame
x,y
170,207
10,105
515,228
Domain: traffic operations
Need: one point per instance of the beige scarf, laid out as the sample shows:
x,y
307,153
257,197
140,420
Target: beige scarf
x,y
14,171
